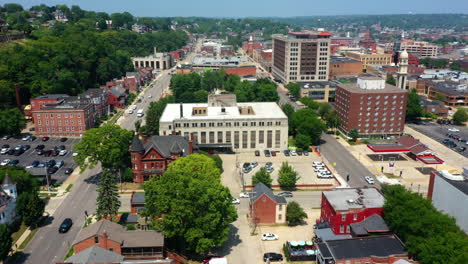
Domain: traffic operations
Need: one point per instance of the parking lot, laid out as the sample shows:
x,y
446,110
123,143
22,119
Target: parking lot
x,y
439,133
30,155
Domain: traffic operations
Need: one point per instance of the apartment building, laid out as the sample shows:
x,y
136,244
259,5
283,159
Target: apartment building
x,y
224,124
371,106
301,56
419,48
370,59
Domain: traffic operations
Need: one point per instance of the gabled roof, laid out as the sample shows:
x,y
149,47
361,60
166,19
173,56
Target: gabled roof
x,y
165,145
113,231
261,189
372,224
137,145
95,254
138,198
7,181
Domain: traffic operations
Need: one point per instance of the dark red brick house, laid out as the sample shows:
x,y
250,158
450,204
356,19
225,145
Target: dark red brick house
x,y
266,207
137,202
343,207
151,155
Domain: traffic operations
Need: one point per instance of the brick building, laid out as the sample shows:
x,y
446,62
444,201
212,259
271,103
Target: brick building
x,y
344,67
137,202
251,45
371,106
450,93
342,207
48,99
132,245
369,45
266,207
370,59
151,156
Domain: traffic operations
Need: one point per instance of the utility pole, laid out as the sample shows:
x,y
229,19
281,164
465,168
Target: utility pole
x,y
47,176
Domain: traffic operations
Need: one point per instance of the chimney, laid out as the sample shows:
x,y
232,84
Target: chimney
x,y
190,143
181,110
104,240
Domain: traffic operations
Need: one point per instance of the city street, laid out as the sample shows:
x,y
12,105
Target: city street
x,y
346,163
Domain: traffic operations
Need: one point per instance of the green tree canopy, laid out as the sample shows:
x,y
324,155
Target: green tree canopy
x,y
287,176
153,114
12,121
107,201
294,89
306,122
353,134
107,144
30,207
461,116
295,214
310,103
303,141
414,109
324,110
5,241
288,110
190,205
262,176
391,80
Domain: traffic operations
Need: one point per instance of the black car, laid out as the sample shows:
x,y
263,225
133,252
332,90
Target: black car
x,y
40,147
18,152
299,152
61,147
11,152
267,153
55,152
272,257
286,153
33,138
257,153
65,225
52,170
461,149
51,163
68,171
63,139
13,162
35,163
5,146
46,153
26,147
285,194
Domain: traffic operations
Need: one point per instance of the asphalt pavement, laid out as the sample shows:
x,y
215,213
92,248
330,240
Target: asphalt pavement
x,y
344,162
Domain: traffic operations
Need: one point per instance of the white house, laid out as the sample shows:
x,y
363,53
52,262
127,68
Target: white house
x,y
8,197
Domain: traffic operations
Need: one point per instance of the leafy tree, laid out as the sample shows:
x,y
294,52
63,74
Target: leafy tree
x,y
306,122
190,205
303,141
414,109
107,144
353,134
295,214
332,119
12,8
216,158
5,241
137,125
30,207
265,92
262,176
310,103
288,110
391,80
25,182
244,92
461,116
200,96
233,80
323,110
154,112
107,201
12,121
294,89
287,176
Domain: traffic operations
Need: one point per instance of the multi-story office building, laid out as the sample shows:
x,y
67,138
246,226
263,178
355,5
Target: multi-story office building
x,y
370,59
419,48
344,67
157,61
371,106
224,124
301,56
322,92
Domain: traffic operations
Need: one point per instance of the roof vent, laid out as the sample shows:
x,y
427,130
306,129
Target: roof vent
x,y
350,201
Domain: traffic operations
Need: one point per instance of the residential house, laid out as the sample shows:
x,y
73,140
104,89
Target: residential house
x,y
8,195
266,207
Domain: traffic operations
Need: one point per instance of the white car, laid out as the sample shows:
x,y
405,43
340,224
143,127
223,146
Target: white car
x,y
317,163
4,150
235,201
293,153
269,237
454,129
26,138
317,169
75,154
5,162
63,152
149,96
369,180
244,195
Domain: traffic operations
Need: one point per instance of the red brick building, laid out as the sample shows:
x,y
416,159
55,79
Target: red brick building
x,y
48,99
250,46
137,203
371,106
151,156
344,67
369,45
342,207
266,207
241,70
132,245
413,60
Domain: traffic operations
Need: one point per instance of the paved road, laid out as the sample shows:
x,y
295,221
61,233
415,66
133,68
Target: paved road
x,y
48,245
346,163
439,133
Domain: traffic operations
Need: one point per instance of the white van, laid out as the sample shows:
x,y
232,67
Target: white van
x,y
129,111
140,113
133,107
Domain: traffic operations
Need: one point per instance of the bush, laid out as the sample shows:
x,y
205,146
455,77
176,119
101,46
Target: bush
x,y
286,252
262,176
131,227
295,214
287,176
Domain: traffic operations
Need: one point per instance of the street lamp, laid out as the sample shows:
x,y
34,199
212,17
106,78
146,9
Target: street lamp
x,y
47,175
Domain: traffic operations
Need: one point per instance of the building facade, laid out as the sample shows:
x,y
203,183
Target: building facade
x,y
156,61
370,59
301,56
371,106
420,48
322,92
342,207
223,123
8,195
344,67
266,207
450,93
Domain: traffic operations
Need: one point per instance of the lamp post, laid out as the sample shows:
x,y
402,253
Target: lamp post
x,y
47,176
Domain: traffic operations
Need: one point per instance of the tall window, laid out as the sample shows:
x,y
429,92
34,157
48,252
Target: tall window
x,y
203,137
252,139
343,217
269,138
244,139
228,136
341,228
220,136
277,138
261,137
212,139
236,139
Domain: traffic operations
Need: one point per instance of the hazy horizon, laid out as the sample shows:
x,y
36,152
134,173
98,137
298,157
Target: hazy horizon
x,y
259,8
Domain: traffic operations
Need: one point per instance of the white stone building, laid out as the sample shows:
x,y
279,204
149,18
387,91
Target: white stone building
x,y
223,123
8,197
157,61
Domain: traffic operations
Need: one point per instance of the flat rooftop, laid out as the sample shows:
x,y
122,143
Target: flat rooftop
x,y
52,96
337,59
218,61
388,89
346,199
460,185
264,110
450,89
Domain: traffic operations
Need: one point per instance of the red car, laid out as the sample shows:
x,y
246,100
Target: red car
x,y
207,259
45,138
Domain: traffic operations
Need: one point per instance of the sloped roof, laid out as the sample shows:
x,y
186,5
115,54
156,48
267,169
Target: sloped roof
x,y
408,141
113,231
419,149
7,181
95,254
261,189
137,145
164,145
143,238
138,198
372,224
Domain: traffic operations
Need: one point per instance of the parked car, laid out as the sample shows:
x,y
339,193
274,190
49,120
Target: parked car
x,y
267,153
63,139
18,152
299,153
244,195
52,170
4,151
5,137
268,164
5,162
35,163
54,153
253,164
369,180
272,257
269,237
13,162
51,163
452,129
270,169
59,164
317,163
11,151
461,149
235,201
285,194
42,164
26,137
38,147
306,153
68,170
65,225
18,147
293,153
26,147
286,153
208,258
45,138
63,152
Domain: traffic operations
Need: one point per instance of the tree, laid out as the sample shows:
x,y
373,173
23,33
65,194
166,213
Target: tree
x,y
295,214
190,205
287,176
107,202
30,207
294,89
137,125
391,80
288,110
5,241
262,176
414,110
216,158
310,103
200,96
323,110
107,144
306,122
154,113
12,121
332,119
303,141
461,116
353,134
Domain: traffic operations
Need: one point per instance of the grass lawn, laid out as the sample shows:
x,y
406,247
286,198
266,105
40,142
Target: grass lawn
x,y
291,142
16,235
26,241
70,253
69,187
131,186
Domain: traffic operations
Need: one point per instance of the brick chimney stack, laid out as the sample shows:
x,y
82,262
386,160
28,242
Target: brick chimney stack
x,y
104,240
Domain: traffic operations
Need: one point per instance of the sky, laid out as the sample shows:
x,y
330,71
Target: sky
x,y
259,8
